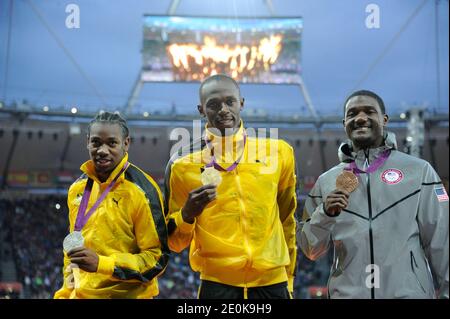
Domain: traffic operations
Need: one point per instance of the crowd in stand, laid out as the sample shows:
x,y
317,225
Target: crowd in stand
x,y
35,228
179,281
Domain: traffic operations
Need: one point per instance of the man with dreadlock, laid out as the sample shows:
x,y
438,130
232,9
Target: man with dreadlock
x,y
117,245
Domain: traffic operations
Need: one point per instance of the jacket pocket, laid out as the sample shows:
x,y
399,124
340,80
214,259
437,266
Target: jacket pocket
x,y
414,266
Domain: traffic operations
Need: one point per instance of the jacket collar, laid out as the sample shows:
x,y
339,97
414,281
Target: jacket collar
x,y
216,139
226,148
89,169
347,155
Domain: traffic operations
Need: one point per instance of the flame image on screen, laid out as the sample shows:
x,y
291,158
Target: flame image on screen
x,y
196,62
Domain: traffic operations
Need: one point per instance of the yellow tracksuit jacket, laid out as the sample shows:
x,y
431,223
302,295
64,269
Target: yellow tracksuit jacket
x,y
247,236
128,231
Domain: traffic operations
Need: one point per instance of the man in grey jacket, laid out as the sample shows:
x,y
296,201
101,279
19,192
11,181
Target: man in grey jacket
x,y
387,218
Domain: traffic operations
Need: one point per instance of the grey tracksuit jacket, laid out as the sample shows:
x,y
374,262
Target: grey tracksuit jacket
x,y
392,238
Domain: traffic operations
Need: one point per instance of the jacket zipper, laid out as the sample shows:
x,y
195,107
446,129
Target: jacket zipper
x,y
332,272
244,225
413,262
369,200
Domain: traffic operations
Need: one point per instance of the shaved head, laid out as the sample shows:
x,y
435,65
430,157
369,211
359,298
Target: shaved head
x,y
216,78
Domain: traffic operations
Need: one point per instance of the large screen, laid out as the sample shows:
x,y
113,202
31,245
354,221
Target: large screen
x,y
251,50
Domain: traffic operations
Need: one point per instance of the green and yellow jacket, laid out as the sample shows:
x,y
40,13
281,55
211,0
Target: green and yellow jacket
x,y
128,231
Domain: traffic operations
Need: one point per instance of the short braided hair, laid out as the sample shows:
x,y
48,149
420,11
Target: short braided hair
x,y
110,118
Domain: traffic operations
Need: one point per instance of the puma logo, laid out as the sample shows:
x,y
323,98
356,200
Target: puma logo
x,y
261,161
116,201
77,200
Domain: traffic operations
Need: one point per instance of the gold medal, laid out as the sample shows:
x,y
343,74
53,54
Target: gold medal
x,y
347,181
211,176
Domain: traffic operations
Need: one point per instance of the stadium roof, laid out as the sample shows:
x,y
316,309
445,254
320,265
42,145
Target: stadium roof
x,y
95,67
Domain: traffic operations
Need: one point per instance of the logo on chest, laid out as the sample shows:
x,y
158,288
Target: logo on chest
x,y
392,176
116,201
77,200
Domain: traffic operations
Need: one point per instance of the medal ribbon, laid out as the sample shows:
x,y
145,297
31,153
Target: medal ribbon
x,y
216,165
372,167
81,217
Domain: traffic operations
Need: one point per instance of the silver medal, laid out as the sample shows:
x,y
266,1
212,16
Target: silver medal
x,y
73,240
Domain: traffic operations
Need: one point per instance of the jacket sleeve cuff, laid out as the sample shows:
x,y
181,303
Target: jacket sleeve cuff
x,y
291,284
105,265
326,213
182,225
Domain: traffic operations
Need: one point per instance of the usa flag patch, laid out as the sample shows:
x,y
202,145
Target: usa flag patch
x,y
441,194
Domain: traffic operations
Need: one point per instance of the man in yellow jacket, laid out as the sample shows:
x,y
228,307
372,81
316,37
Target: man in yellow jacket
x,y
117,244
232,198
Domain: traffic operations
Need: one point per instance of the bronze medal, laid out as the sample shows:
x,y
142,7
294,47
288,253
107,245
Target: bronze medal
x,y
347,181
